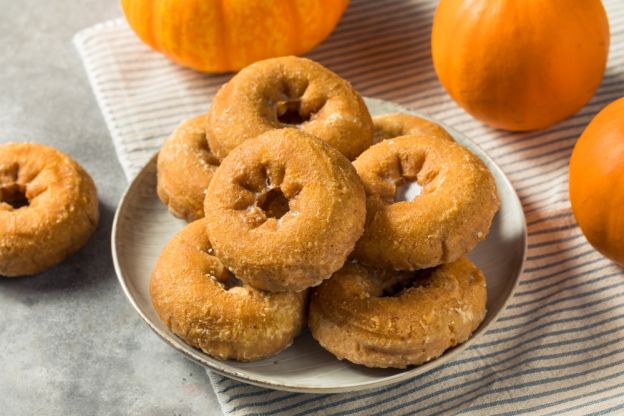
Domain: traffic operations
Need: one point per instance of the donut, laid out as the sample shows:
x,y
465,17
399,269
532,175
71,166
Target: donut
x,y
284,210
383,318
185,167
451,215
289,92
202,303
48,208
389,126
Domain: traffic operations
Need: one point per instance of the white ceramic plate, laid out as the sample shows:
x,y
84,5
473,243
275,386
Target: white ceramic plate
x,y
143,226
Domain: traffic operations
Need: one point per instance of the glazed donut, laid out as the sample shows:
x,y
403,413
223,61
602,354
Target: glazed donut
x,y
48,208
202,303
284,210
381,318
185,167
289,92
451,215
389,126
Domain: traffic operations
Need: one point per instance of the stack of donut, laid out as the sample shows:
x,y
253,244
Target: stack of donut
x,y
285,228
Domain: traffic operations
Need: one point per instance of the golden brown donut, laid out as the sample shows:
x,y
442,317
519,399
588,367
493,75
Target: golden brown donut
x,y
289,92
451,215
48,208
284,210
201,302
381,318
185,167
388,126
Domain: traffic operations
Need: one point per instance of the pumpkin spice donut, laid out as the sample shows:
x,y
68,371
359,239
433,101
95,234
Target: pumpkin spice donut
x,y
289,92
284,210
185,168
451,215
382,318
48,208
388,126
202,303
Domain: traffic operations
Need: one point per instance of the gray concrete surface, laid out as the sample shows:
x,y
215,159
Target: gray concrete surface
x,y
70,343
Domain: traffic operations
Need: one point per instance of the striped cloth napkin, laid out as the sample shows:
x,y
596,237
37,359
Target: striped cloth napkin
x,y
557,349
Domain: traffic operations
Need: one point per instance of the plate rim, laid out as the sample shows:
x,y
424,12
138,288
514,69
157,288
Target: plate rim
x,y
228,371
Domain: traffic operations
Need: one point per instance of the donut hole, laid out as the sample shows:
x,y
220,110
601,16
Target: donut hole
x,y
412,179
274,203
407,191
217,272
229,281
15,196
403,281
206,153
402,177
295,110
289,112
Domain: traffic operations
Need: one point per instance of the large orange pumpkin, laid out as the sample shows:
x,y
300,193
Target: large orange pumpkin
x,y
520,64
597,181
220,36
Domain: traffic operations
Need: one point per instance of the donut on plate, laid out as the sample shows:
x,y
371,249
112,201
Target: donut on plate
x,y
202,303
388,126
289,92
284,210
451,215
185,167
382,318
48,208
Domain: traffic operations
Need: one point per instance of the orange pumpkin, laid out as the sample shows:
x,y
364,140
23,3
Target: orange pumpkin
x,y
220,36
597,181
520,64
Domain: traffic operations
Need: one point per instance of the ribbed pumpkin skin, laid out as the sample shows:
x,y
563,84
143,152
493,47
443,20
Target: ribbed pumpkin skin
x,y
227,35
520,64
597,181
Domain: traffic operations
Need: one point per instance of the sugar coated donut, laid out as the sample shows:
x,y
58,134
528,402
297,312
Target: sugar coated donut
x,y
451,215
201,302
289,92
381,318
389,126
48,208
185,167
284,210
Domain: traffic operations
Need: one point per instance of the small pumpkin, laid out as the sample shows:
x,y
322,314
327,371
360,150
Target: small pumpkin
x,y
220,36
520,64
597,181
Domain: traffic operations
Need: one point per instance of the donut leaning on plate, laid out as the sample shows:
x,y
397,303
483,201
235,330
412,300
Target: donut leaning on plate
x,y
289,92
383,318
388,126
185,168
201,302
48,208
284,210
451,215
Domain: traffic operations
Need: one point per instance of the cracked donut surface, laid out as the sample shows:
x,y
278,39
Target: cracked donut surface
x,y
383,318
284,210
451,215
289,92
48,208
202,303
185,168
